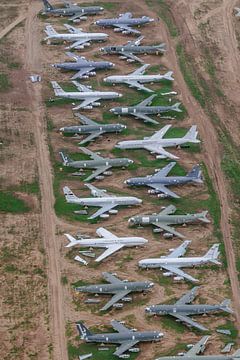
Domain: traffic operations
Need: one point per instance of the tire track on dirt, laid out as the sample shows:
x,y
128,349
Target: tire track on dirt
x,y
48,219
11,26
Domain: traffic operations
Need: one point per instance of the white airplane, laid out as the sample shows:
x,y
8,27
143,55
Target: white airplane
x,y
79,38
156,143
102,199
137,78
89,97
109,241
237,11
173,263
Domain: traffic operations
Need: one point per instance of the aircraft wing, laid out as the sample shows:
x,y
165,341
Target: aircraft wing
x,y
145,118
74,56
92,155
119,327
82,72
188,297
137,85
189,321
98,172
197,348
90,137
105,233
163,189
78,43
111,278
170,209
160,150
103,210
165,171
118,296
176,271
147,101
72,29
81,87
141,70
110,250
96,192
168,229
180,250
125,345
125,16
131,56
86,102
125,27
159,134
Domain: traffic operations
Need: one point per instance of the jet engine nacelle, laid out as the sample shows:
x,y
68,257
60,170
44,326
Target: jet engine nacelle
x,y
167,235
181,354
118,305
178,278
104,216
92,73
80,47
134,350
107,173
157,170
87,44
162,196
152,191
113,212
167,274
85,77
126,32
156,231
117,30
130,60
88,107
96,104
161,157
124,356
122,57
127,299
99,177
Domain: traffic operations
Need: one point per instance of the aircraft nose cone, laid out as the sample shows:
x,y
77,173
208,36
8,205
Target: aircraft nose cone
x,y
131,219
147,309
112,110
119,95
61,129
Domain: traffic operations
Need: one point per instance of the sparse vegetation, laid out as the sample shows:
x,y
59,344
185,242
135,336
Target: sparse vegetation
x,y
5,84
10,203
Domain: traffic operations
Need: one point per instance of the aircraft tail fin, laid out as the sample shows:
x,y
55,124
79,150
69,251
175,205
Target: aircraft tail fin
x,y
236,354
58,91
225,306
69,195
168,76
191,135
204,218
83,331
47,5
175,107
72,240
50,31
65,158
213,254
195,174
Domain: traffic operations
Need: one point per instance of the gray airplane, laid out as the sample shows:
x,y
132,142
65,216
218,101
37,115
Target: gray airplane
x,y
137,78
90,97
182,309
124,23
120,289
102,165
133,47
194,351
91,127
159,181
74,11
126,338
102,199
141,110
78,38
165,218
156,143
84,68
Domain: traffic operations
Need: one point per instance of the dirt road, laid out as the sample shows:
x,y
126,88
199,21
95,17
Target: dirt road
x,y
48,220
11,26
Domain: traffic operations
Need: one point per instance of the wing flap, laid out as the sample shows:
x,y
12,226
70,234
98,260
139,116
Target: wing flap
x,y
102,210
168,229
188,297
175,270
189,321
97,172
91,137
163,189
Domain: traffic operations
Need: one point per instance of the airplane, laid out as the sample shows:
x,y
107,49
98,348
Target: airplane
x,y
84,67
91,127
141,110
111,242
159,181
120,289
156,144
101,199
79,38
194,351
127,338
137,78
74,11
238,11
102,165
124,23
85,93
133,47
182,308
162,220
173,262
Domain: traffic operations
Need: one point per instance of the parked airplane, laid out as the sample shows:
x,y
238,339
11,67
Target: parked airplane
x,y
111,242
173,262
101,199
162,220
237,11
91,127
156,144
84,67
89,97
79,38
127,338
133,47
124,23
137,78
182,309
120,289
159,181
74,11
102,165
141,110
195,350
